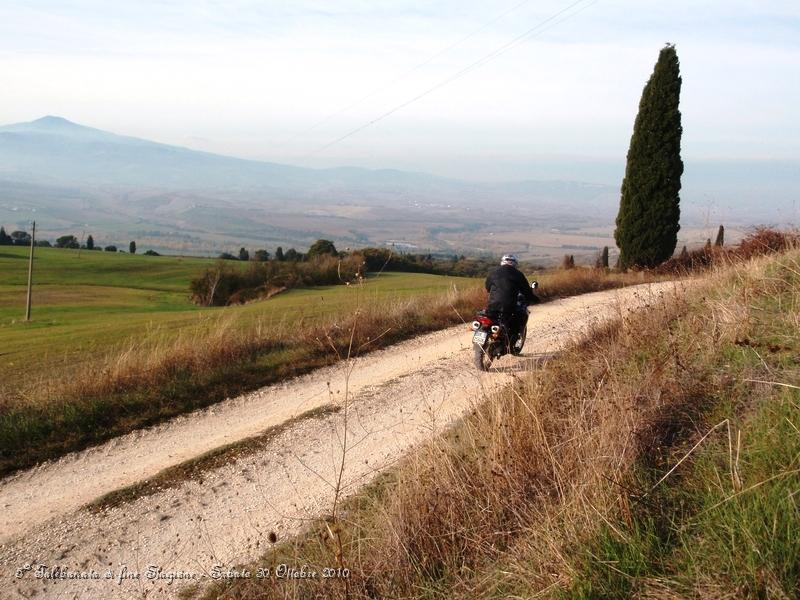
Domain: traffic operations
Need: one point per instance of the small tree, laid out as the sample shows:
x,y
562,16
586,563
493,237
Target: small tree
x,y
279,254
5,239
602,259
684,253
568,262
90,242
67,241
261,255
21,238
649,211
151,253
293,255
720,241
322,247
132,247
244,254
110,248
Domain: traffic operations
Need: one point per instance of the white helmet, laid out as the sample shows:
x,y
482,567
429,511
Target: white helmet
x,y
509,259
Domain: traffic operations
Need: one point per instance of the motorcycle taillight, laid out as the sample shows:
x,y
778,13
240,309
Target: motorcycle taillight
x,y
485,321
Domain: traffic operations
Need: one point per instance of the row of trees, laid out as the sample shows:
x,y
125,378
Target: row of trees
x,y
23,238
318,248
17,238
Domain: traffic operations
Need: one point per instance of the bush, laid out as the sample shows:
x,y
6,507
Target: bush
x,y
766,241
761,241
110,248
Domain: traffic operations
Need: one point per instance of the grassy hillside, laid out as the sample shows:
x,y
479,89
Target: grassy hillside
x,y
659,459
87,305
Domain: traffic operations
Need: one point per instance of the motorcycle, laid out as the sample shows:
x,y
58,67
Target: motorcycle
x,y
491,338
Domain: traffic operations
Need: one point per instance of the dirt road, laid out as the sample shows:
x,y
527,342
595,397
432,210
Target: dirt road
x,y
397,397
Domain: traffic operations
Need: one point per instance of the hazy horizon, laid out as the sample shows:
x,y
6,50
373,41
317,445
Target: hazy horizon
x,y
250,80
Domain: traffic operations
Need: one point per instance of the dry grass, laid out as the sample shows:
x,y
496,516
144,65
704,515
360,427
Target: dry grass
x,y
508,503
759,242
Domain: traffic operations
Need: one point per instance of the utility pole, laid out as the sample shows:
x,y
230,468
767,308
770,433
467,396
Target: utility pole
x,y
30,274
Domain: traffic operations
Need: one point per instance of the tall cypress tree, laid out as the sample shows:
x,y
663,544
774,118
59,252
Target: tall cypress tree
x,y
649,211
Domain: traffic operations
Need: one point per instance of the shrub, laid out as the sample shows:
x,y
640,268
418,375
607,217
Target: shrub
x,y
760,242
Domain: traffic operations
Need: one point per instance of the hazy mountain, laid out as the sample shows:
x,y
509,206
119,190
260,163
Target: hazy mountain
x,y
53,150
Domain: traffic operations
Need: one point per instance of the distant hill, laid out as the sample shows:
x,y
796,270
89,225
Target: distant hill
x,y
72,178
55,150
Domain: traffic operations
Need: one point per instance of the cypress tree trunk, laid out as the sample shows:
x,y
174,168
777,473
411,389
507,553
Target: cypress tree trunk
x,y
649,211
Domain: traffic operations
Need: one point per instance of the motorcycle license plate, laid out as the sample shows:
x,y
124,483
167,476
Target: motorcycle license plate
x,y
479,337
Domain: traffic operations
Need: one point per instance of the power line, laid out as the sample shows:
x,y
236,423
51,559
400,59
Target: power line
x,y
407,73
531,33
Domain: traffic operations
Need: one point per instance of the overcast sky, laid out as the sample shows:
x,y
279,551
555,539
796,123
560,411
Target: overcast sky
x,y
253,78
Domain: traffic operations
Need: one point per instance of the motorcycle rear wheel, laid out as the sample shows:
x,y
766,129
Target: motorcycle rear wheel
x,y
516,349
482,357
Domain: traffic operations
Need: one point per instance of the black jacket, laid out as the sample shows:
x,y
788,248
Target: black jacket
x,y
503,285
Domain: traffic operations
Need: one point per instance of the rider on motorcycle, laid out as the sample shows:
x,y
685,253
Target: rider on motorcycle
x,y
504,283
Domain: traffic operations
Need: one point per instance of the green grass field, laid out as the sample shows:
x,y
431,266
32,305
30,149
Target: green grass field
x,y
97,302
